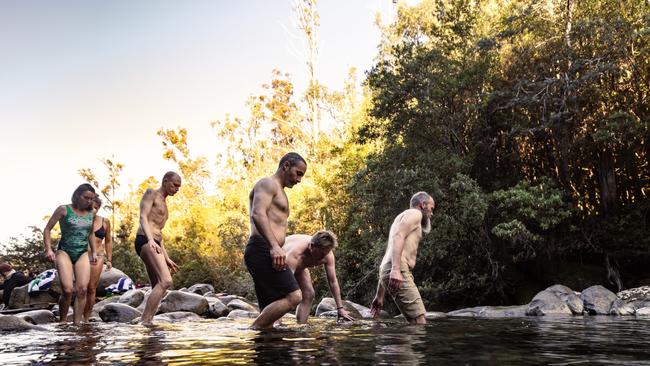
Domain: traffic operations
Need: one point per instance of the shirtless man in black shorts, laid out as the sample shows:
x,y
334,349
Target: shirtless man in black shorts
x,y
148,242
276,287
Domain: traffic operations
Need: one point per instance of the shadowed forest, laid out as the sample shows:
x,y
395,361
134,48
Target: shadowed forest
x,y
528,122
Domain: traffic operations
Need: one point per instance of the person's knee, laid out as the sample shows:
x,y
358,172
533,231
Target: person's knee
x,y
421,319
67,292
295,298
81,291
166,283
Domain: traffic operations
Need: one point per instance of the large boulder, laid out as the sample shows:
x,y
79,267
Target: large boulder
x,y
116,312
176,317
573,301
100,305
183,301
201,288
20,298
491,311
38,316
643,312
225,299
633,294
328,304
217,308
620,307
547,303
14,323
598,300
242,314
107,278
132,298
238,304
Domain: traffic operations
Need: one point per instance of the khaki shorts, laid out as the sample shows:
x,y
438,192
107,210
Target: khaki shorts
x,y
407,298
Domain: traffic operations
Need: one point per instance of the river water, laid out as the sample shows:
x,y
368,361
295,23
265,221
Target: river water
x,y
459,341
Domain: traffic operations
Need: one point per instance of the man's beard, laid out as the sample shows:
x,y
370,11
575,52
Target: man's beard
x,y
425,223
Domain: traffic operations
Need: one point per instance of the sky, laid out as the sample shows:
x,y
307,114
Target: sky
x,y
84,80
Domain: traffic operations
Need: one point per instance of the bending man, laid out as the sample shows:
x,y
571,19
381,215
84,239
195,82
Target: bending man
x,y
305,251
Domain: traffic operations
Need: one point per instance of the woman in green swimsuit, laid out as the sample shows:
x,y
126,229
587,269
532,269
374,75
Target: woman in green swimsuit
x,y
72,257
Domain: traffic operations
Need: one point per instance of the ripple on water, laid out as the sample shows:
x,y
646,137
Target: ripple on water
x,y
543,340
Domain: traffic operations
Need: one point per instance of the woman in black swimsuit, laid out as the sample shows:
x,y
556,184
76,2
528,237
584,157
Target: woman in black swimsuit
x,y
102,229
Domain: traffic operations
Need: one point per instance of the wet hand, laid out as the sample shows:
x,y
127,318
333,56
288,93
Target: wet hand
x,y
344,315
49,254
172,266
375,308
155,246
109,265
396,280
279,258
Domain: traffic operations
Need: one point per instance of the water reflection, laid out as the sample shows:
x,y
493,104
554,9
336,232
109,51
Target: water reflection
x,y
544,340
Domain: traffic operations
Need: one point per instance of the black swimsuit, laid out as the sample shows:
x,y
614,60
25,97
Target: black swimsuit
x,y
101,232
141,240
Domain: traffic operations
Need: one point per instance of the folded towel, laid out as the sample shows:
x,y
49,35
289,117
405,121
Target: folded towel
x,y
124,284
42,282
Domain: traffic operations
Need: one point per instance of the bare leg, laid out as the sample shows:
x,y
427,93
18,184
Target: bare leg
x,y
65,271
82,276
95,272
304,308
161,280
421,320
276,310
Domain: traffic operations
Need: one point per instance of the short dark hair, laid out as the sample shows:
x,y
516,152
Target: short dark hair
x,y
76,195
419,198
324,239
169,175
293,159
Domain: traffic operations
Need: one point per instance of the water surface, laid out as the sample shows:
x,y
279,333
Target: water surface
x,y
532,340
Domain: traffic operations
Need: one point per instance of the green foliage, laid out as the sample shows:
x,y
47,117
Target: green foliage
x,y
26,253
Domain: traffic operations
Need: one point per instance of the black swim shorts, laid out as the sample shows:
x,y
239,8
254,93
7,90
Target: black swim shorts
x,y
270,284
141,240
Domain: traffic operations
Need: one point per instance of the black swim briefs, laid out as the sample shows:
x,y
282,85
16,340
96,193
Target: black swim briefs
x,y
270,284
141,240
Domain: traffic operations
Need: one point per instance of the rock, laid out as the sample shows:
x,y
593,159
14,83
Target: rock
x,y
107,278
432,315
328,314
38,316
597,300
228,298
216,308
176,316
327,304
569,297
20,298
620,307
491,311
240,314
14,323
210,294
238,304
638,304
132,298
100,305
201,289
55,311
183,301
637,293
643,311
547,303
116,312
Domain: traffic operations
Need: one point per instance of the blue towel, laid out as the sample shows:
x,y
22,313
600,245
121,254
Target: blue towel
x,y
42,282
124,284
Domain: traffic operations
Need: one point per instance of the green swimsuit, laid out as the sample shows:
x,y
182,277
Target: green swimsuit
x,y
74,233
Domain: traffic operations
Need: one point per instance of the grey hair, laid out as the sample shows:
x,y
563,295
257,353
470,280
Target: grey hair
x,y
419,198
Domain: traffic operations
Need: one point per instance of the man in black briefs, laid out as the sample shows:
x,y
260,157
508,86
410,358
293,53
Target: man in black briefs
x,y
148,242
275,285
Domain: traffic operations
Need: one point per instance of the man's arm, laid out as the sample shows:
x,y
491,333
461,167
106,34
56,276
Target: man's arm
x,y
330,272
408,223
47,235
145,208
378,301
263,194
